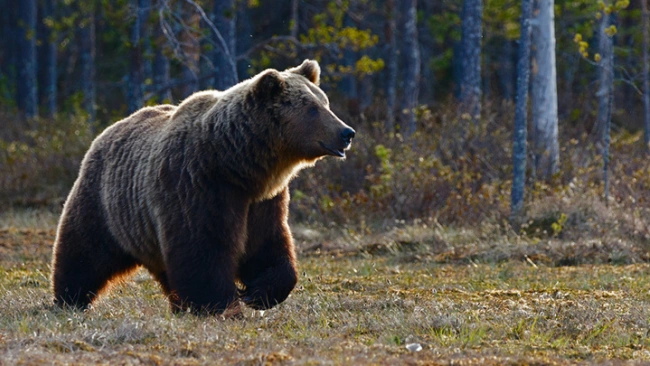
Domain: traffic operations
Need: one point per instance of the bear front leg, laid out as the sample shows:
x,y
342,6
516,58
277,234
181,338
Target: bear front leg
x,y
201,251
202,282
268,271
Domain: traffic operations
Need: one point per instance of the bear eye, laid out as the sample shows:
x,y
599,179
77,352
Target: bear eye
x,y
312,112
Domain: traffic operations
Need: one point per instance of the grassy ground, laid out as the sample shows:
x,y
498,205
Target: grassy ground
x,y
364,303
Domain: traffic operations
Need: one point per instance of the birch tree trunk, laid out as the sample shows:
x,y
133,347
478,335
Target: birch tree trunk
x,y
26,86
605,78
225,15
544,92
411,54
391,65
646,81
521,111
471,34
605,95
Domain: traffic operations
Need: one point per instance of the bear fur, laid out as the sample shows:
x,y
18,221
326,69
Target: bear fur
x,y
198,194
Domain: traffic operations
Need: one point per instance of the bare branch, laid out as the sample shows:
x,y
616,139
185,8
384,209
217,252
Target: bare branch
x,y
221,41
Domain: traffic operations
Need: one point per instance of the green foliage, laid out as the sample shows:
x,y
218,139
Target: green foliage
x,y
333,37
502,18
602,9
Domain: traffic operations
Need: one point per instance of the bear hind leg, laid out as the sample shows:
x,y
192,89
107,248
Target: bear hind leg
x,y
84,262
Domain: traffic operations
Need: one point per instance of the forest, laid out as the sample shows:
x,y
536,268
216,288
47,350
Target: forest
x,y
501,160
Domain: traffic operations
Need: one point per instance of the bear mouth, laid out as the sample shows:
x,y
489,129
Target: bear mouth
x,y
335,152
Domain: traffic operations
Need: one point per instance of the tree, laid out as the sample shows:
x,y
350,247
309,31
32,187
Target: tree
x,y
520,133
86,34
605,75
224,18
47,53
411,67
26,87
189,42
470,88
546,154
606,90
391,65
134,94
161,67
646,82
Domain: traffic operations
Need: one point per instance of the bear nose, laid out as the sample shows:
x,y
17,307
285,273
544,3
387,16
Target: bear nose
x,y
347,135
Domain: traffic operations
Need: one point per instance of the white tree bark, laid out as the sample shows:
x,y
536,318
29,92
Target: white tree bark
x,y
605,78
544,92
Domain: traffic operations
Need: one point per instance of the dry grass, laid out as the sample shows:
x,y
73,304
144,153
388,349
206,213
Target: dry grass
x,y
360,300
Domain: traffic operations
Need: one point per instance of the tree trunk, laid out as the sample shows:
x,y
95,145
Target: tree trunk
x,y
521,111
86,35
506,70
191,49
8,43
244,28
134,93
391,66
646,81
26,86
160,67
544,92
47,57
426,45
411,54
147,46
605,96
605,77
471,34
224,18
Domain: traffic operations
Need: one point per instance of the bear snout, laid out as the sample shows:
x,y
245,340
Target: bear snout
x,y
347,135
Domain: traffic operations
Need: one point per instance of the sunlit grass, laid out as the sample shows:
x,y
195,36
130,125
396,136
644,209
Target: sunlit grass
x,y
350,307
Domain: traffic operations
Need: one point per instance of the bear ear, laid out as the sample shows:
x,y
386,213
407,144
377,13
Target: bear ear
x,y
269,83
309,69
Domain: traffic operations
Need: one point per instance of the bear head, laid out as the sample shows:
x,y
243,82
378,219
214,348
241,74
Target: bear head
x,y
309,129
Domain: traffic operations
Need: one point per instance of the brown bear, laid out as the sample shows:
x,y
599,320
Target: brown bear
x,y
198,194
